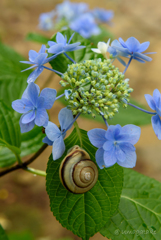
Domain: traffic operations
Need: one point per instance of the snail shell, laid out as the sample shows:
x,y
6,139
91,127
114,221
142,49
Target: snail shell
x,y
77,172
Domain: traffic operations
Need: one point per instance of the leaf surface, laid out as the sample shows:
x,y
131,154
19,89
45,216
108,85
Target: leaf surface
x,y
84,214
139,213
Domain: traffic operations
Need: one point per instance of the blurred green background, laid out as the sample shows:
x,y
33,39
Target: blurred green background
x,y
24,204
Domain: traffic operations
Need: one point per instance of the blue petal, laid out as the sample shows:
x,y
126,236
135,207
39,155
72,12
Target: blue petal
x,y
40,102
142,56
56,48
130,161
26,127
41,58
112,132
42,49
132,44
47,141
143,46
156,97
51,43
49,96
33,93
122,42
99,158
22,105
121,61
71,38
27,62
58,148
60,38
138,59
156,124
52,131
29,68
65,118
32,77
131,132
150,101
32,55
71,47
126,146
109,158
97,137
108,145
28,117
41,117
119,153
25,93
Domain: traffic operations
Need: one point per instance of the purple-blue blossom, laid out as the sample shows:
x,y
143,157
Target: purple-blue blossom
x,y
85,25
46,21
33,105
70,10
38,60
154,103
115,145
62,46
134,49
55,136
103,15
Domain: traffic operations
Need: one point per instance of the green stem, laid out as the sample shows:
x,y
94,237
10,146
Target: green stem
x,y
78,132
18,159
35,171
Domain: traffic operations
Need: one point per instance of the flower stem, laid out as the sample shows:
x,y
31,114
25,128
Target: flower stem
x,y
54,70
71,123
78,132
105,121
141,109
59,96
69,57
35,171
128,64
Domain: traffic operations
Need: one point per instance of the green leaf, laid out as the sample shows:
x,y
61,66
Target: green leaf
x,y
31,143
9,129
12,81
84,214
21,236
36,37
3,235
139,212
60,63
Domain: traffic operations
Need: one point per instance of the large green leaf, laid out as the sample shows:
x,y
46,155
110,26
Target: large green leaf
x,y
12,81
60,63
139,213
3,235
36,37
30,142
84,214
9,128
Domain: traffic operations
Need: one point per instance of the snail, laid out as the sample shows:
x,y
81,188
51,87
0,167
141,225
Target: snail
x,y
77,172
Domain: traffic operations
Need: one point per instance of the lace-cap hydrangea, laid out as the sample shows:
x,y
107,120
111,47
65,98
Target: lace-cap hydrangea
x,y
96,86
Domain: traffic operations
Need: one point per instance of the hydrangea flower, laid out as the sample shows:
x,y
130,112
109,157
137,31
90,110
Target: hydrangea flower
x,y
61,45
33,106
116,53
85,25
102,48
103,15
154,103
38,60
55,136
134,48
116,145
70,10
46,21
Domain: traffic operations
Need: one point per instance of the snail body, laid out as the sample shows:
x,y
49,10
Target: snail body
x,y
77,172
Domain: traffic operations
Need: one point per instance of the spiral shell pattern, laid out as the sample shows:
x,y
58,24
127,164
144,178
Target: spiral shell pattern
x,y
77,172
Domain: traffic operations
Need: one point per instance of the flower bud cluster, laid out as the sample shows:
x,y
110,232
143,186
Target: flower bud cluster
x,y
97,86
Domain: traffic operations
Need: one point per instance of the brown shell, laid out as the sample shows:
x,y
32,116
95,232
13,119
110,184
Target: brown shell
x,y
77,172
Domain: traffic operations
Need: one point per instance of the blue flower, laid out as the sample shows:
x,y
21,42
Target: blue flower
x,y
38,60
55,136
155,104
34,106
46,21
103,15
116,53
69,10
134,48
116,145
85,25
61,45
